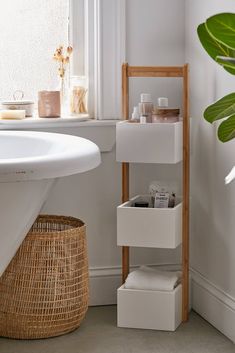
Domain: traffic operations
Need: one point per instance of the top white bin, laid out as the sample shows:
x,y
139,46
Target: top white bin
x,y
149,143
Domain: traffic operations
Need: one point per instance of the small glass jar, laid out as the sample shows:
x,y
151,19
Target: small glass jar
x,y
78,95
165,115
146,106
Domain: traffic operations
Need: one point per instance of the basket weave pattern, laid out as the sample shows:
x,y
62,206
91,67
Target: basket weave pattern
x,y
44,290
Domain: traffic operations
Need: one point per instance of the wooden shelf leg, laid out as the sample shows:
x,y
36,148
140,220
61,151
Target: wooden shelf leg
x,y
125,263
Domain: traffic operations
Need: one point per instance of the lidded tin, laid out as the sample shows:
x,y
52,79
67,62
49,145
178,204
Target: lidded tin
x,y
19,104
165,115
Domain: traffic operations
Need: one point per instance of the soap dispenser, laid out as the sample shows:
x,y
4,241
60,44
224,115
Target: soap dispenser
x,y
135,117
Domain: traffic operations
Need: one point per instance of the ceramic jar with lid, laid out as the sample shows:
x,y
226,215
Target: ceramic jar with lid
x,y
18,103
165,115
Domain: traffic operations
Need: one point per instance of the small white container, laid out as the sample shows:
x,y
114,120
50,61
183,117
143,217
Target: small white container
x,y
143,119
149,227
149,143
19,104
148,309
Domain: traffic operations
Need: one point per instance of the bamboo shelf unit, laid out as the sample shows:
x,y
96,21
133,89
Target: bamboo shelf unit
x,y
162,71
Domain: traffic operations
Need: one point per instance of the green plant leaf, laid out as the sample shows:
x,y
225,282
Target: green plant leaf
x,y
226,130
223,108
226,61
222,28
213,47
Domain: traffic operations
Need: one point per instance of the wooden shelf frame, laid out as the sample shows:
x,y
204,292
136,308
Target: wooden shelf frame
x,y
162,71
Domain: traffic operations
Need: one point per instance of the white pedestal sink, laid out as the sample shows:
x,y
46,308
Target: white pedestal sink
x,y
30,162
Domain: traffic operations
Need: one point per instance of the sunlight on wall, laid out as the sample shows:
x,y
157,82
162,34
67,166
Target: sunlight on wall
x,y
30,32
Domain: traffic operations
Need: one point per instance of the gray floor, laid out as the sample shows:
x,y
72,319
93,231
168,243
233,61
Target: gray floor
x,y
99,334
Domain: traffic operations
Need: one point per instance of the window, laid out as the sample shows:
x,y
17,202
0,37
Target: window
x,y
30,32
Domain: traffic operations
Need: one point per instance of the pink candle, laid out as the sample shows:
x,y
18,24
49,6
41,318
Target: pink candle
x,y
49,104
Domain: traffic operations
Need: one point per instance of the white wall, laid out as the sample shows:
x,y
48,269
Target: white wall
x,y
213,205
155,36
93,196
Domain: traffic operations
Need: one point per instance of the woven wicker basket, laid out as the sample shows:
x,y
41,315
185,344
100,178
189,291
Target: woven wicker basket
x,y
44,290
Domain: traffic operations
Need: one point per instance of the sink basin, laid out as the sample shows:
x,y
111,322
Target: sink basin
x,y
42,155
30,163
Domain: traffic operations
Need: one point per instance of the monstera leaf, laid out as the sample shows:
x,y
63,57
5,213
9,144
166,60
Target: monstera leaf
x,y
213,47
217,36
226,130
226,61
222,28
223,108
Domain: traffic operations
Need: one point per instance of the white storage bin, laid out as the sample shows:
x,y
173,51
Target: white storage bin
x,y
149,143
148,309
149,227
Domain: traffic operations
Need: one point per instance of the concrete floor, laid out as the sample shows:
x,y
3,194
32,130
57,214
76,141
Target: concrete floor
x,y
99,334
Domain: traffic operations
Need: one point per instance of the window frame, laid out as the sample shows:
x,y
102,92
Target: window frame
x,y
76,35
94,30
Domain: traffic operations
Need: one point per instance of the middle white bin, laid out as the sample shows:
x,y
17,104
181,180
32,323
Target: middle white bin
x,y
149,227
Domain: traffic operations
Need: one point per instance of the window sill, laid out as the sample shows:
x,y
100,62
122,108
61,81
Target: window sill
x,y
101,132
70,121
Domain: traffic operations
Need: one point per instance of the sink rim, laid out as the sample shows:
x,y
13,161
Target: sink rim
x,y
56,163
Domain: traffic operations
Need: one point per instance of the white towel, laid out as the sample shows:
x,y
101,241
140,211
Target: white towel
x,y
148,278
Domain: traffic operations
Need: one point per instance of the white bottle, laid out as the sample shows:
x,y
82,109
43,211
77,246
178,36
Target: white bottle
x,y
135,115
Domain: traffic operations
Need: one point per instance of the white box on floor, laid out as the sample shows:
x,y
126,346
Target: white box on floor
x,y
149,227
149,143
148,309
